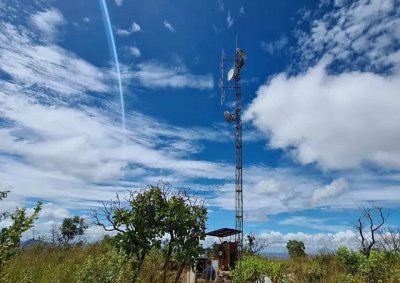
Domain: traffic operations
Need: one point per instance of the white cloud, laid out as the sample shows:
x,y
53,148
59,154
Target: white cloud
x,y
332,190
119,2
47,66
135,51
57,148
125,32
229,20
48,22
313,242
275,46
157,75
342,111
313,223
338,121
135,27
169,26
53,212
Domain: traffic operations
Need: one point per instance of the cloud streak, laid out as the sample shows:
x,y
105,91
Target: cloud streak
x,y
153,74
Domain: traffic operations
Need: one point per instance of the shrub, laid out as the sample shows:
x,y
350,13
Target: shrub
x,y
350,261
112,266
252,268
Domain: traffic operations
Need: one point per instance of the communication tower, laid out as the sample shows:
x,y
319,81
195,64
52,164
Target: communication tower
x,y
233,84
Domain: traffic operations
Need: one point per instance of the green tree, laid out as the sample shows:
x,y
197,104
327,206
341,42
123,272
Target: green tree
x,y
151,214
185,224
11,235
295,249
71,228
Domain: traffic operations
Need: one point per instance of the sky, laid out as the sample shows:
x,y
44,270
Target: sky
x,y
320,109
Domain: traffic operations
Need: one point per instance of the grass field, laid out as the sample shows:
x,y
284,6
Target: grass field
x,y
101,263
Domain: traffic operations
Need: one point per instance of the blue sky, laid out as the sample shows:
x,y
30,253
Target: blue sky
x,y
319,88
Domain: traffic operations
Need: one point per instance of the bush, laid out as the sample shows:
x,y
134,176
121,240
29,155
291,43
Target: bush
x,y
379,267
112,266
350,261
252,268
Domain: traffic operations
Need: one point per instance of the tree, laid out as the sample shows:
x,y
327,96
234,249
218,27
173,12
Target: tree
x,y
185,224
295,249
71,228
389,239
255,244
11,235
368,226
151,215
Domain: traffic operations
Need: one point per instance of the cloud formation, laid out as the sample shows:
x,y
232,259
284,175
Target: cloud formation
x,y
169,26
47,22
135,51
339,113
125,32
275,46
154,74
313,242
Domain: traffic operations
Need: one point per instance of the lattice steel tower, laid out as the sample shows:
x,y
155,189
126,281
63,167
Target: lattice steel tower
x,y
233,77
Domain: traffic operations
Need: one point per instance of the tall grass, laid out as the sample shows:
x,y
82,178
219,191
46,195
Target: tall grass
x,y
101,263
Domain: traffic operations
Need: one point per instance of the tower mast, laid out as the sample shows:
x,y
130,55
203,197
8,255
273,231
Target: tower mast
x,y
234,74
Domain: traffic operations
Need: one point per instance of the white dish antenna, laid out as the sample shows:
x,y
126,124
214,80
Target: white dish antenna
x,y
231,73
228,117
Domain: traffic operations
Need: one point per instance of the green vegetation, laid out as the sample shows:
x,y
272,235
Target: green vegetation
x,y
296,249
10,236
344,265
71,228
157,234
152,215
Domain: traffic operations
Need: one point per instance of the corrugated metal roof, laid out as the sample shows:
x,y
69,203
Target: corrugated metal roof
x,y
223,232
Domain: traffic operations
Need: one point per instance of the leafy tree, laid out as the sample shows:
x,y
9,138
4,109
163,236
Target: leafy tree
x,y
295,249
11,235
71,228
151,215
185,224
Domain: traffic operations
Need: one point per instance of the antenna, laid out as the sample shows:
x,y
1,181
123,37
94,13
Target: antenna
x,y
233,77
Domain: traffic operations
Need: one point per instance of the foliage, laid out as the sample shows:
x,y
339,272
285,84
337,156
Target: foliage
x,y
185,224
151,215
71,228
378,267
295,248
151,271
101,262
44,263
11,235
112,266
252,268
350,260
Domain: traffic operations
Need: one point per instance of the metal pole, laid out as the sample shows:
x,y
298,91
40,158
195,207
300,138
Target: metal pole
x,y
238,148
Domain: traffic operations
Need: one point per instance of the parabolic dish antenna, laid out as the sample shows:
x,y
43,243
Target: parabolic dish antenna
x,y
228,117
230,74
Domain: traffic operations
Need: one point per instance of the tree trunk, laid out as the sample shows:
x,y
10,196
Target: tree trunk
x,y
179,272
168,258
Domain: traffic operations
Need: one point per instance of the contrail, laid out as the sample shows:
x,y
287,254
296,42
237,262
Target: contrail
x,y
111,41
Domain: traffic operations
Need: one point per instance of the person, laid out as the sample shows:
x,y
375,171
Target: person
x,y
209,272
